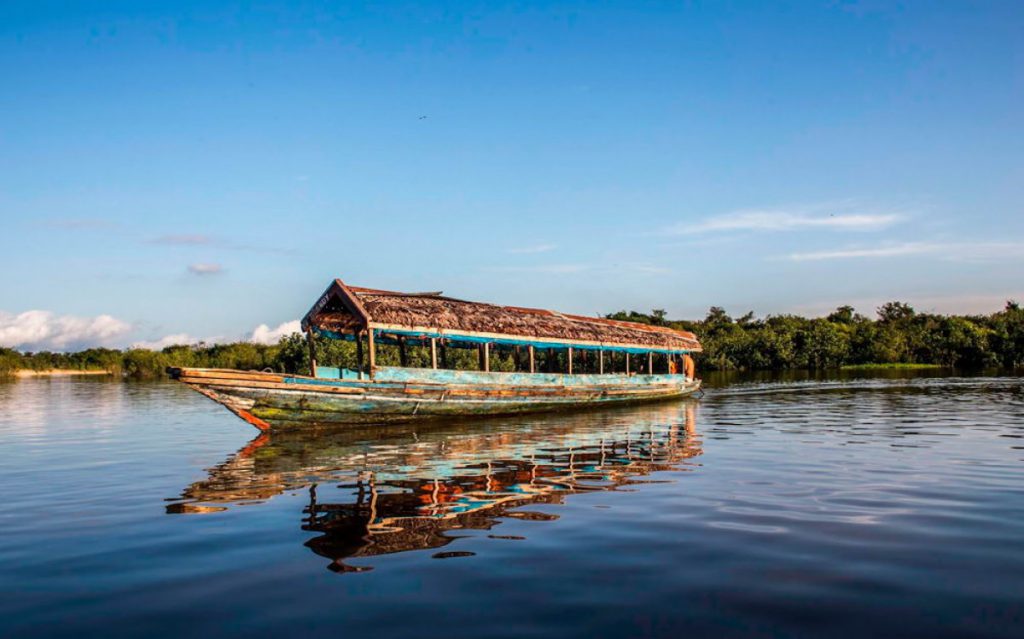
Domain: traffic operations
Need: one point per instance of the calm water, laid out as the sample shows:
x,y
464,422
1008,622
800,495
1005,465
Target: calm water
x,y
856,508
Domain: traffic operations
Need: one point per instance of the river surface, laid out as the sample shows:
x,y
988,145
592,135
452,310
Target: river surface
x,y
852,507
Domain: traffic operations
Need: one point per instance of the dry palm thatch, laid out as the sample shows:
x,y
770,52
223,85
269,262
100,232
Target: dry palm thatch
x,y
345,309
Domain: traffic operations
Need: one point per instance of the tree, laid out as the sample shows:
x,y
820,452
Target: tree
x,y
717,315
842,315
895,311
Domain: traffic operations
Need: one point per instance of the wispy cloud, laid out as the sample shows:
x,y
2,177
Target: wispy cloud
x,y
642,268
534,248
975,251
205,269
842,216
913,248
185,239
44,330
569,269
554,269
201,239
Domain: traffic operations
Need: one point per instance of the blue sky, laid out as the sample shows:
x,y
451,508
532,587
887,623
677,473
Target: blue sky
x,y
198,169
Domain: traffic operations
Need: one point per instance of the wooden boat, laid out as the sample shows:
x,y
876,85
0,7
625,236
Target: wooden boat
x,y
370,393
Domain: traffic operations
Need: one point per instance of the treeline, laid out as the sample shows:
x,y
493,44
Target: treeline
x,y
898,335
289,355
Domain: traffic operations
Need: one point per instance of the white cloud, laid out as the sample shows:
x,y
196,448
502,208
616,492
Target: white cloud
x,y
842,216
535,248
205,269
43,330
950,251
263,334
882,251
169,340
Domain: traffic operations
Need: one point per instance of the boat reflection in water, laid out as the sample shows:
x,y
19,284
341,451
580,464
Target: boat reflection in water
x,y
404,488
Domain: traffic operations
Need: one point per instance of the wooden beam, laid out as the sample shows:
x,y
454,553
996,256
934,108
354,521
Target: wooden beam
x,y
487,357
627,363
312,352
650,363
569,357
433,352
359,352
403,357
372,351
600,362
533,367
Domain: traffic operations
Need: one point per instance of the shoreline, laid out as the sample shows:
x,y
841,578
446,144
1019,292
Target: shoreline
x,y
57,372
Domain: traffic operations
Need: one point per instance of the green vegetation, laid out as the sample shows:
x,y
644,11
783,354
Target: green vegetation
x,y
898,338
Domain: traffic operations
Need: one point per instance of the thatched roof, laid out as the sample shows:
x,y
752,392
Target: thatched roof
x,y
346,309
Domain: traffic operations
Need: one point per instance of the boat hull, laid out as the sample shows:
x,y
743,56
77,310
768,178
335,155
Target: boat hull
x,y
275,401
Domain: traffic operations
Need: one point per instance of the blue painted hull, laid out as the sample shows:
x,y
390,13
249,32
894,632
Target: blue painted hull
x,y
270,400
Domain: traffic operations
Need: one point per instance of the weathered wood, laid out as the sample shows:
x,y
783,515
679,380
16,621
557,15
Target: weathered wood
x,y
533,367
433,352
487,357
403,394
627,363
359,352
372,351
403,357
312,351
650,363
569,359
600,362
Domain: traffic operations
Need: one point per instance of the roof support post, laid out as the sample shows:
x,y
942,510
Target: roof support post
x,y
568,357
650,363
312,352
600,361
373,352
533,366
627,362
359,353
487,357
433,352
403,357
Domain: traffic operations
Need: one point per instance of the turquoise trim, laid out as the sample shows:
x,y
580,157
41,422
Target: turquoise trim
x,y
401,378
503,341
